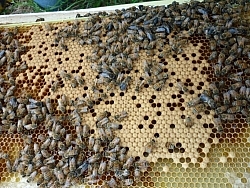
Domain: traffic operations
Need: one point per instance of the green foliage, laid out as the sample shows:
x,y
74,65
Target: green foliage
x,y
27,6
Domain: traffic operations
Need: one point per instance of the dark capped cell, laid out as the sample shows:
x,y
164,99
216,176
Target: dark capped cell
x,y
156,135
153,97
151,126
146,117
138,105
140,126
172,126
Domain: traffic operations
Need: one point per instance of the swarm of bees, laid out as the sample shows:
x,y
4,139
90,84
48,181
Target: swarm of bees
x,y
85,158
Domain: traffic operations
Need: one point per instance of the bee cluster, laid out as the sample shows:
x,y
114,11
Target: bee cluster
x,y
126,32
82,158
117,39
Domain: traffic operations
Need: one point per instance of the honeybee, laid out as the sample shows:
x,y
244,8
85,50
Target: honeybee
x,y
139,85
8,165
234,110
64,75
91,142
85,132
205,98
235,86
30,126
80,158
102,122
114,142
240,103
74,83
221,109
124,84
193,102
79,80
181,86
149,147
221,58
227,117
61,106
102,167
112,183
199,108
46,143
121,116
128,182
189,122
213,55
159,85
54,86
79,142
94,158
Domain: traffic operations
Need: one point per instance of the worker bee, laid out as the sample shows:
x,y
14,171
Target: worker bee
x,y
241,41
234,94
189,122
236,77
193,102
128,182
181,86
199,108
102,122
46,143
4,155
235,86
79,142
245,112
227,117
225,70
226,98
114,142
139,85
149,147
63,74
49,105
112,183
121,116
85,131
205,98
158,85
221,58
54,86
213,55
94,158
230,59
61,106
124,84
79,80
74,83
247,83
240,103
234,110
217,69
91,142
30,126
221,109
102,167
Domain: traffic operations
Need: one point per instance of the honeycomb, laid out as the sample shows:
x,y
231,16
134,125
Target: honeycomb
x,y
201,157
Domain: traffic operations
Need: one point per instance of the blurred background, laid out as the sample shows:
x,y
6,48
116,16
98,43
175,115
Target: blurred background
x,y
29,6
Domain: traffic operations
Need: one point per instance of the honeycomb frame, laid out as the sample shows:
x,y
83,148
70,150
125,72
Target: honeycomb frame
x,y
202,157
